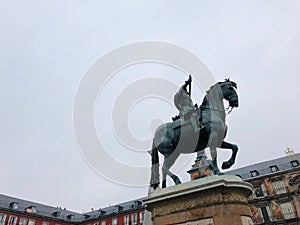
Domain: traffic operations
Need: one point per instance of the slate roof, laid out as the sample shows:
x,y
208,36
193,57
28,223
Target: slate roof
x,y
263,168
116,209
40,209
49,211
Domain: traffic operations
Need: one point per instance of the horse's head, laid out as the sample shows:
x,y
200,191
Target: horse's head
x,y
229,92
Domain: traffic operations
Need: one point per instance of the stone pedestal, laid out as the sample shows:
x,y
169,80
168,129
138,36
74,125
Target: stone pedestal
x,y
214,200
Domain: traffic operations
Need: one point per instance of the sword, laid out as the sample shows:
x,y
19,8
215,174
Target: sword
x,y
190,85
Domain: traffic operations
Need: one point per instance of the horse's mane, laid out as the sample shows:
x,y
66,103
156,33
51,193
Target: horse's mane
x,y
205,101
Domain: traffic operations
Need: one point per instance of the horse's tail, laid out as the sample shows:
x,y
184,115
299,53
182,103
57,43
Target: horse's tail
x,y
154,182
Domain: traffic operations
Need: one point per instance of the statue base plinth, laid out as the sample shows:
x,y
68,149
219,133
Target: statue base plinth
x,y
215,200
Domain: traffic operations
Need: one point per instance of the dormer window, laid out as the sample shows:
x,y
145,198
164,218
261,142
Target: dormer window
x,y
274,168
57,213
254,173
101,212
31,209
137,204
119,208
295,163
70,217
86,216
14,205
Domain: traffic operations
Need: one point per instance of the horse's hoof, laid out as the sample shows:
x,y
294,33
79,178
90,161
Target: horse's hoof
x,y
154,186
177,182
226,165
217,172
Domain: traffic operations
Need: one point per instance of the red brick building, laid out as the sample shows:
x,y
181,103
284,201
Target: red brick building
x,y
15,211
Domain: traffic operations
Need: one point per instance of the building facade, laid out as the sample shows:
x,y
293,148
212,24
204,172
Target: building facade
x,y
15,211
276,194
275,200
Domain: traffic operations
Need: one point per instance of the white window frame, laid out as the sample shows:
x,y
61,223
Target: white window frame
x,y
45,223
23,221
14,220
31,222
134,218
288,210
2,218
142,217
114,221
126,219
103,223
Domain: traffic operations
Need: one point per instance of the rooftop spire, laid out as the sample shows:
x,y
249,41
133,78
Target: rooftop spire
x,y
289,151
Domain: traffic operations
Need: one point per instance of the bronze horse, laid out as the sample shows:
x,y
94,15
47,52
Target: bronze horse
x,y
171,140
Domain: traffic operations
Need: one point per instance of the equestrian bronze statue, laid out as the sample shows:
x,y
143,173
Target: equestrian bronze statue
x,y
194,129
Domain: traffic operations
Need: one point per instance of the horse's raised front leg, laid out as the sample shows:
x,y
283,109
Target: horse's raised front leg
x,y
231,161
168,162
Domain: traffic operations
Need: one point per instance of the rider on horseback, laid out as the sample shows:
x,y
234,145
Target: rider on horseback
x,y
184,103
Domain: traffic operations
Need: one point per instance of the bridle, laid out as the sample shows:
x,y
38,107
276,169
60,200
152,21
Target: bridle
x,y
229,85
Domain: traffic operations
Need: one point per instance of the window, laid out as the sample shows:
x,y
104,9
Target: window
x,y
70,217
142,217
259,192
279,187
295,163
14,205
126,220
45,223
12,220
114,221
274,168
31,222
57,213
134,218
97,223
31,209
86,216
254,173
2,218
23,221
288,210
103,223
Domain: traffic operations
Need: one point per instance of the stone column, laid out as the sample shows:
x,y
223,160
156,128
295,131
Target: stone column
x,y
214,200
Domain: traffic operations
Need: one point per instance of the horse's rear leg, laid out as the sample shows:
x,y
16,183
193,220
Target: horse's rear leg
x,y
214,164
231,161
213,143
168,162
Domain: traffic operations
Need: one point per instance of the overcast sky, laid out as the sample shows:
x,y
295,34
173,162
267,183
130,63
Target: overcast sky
x,y
47,47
